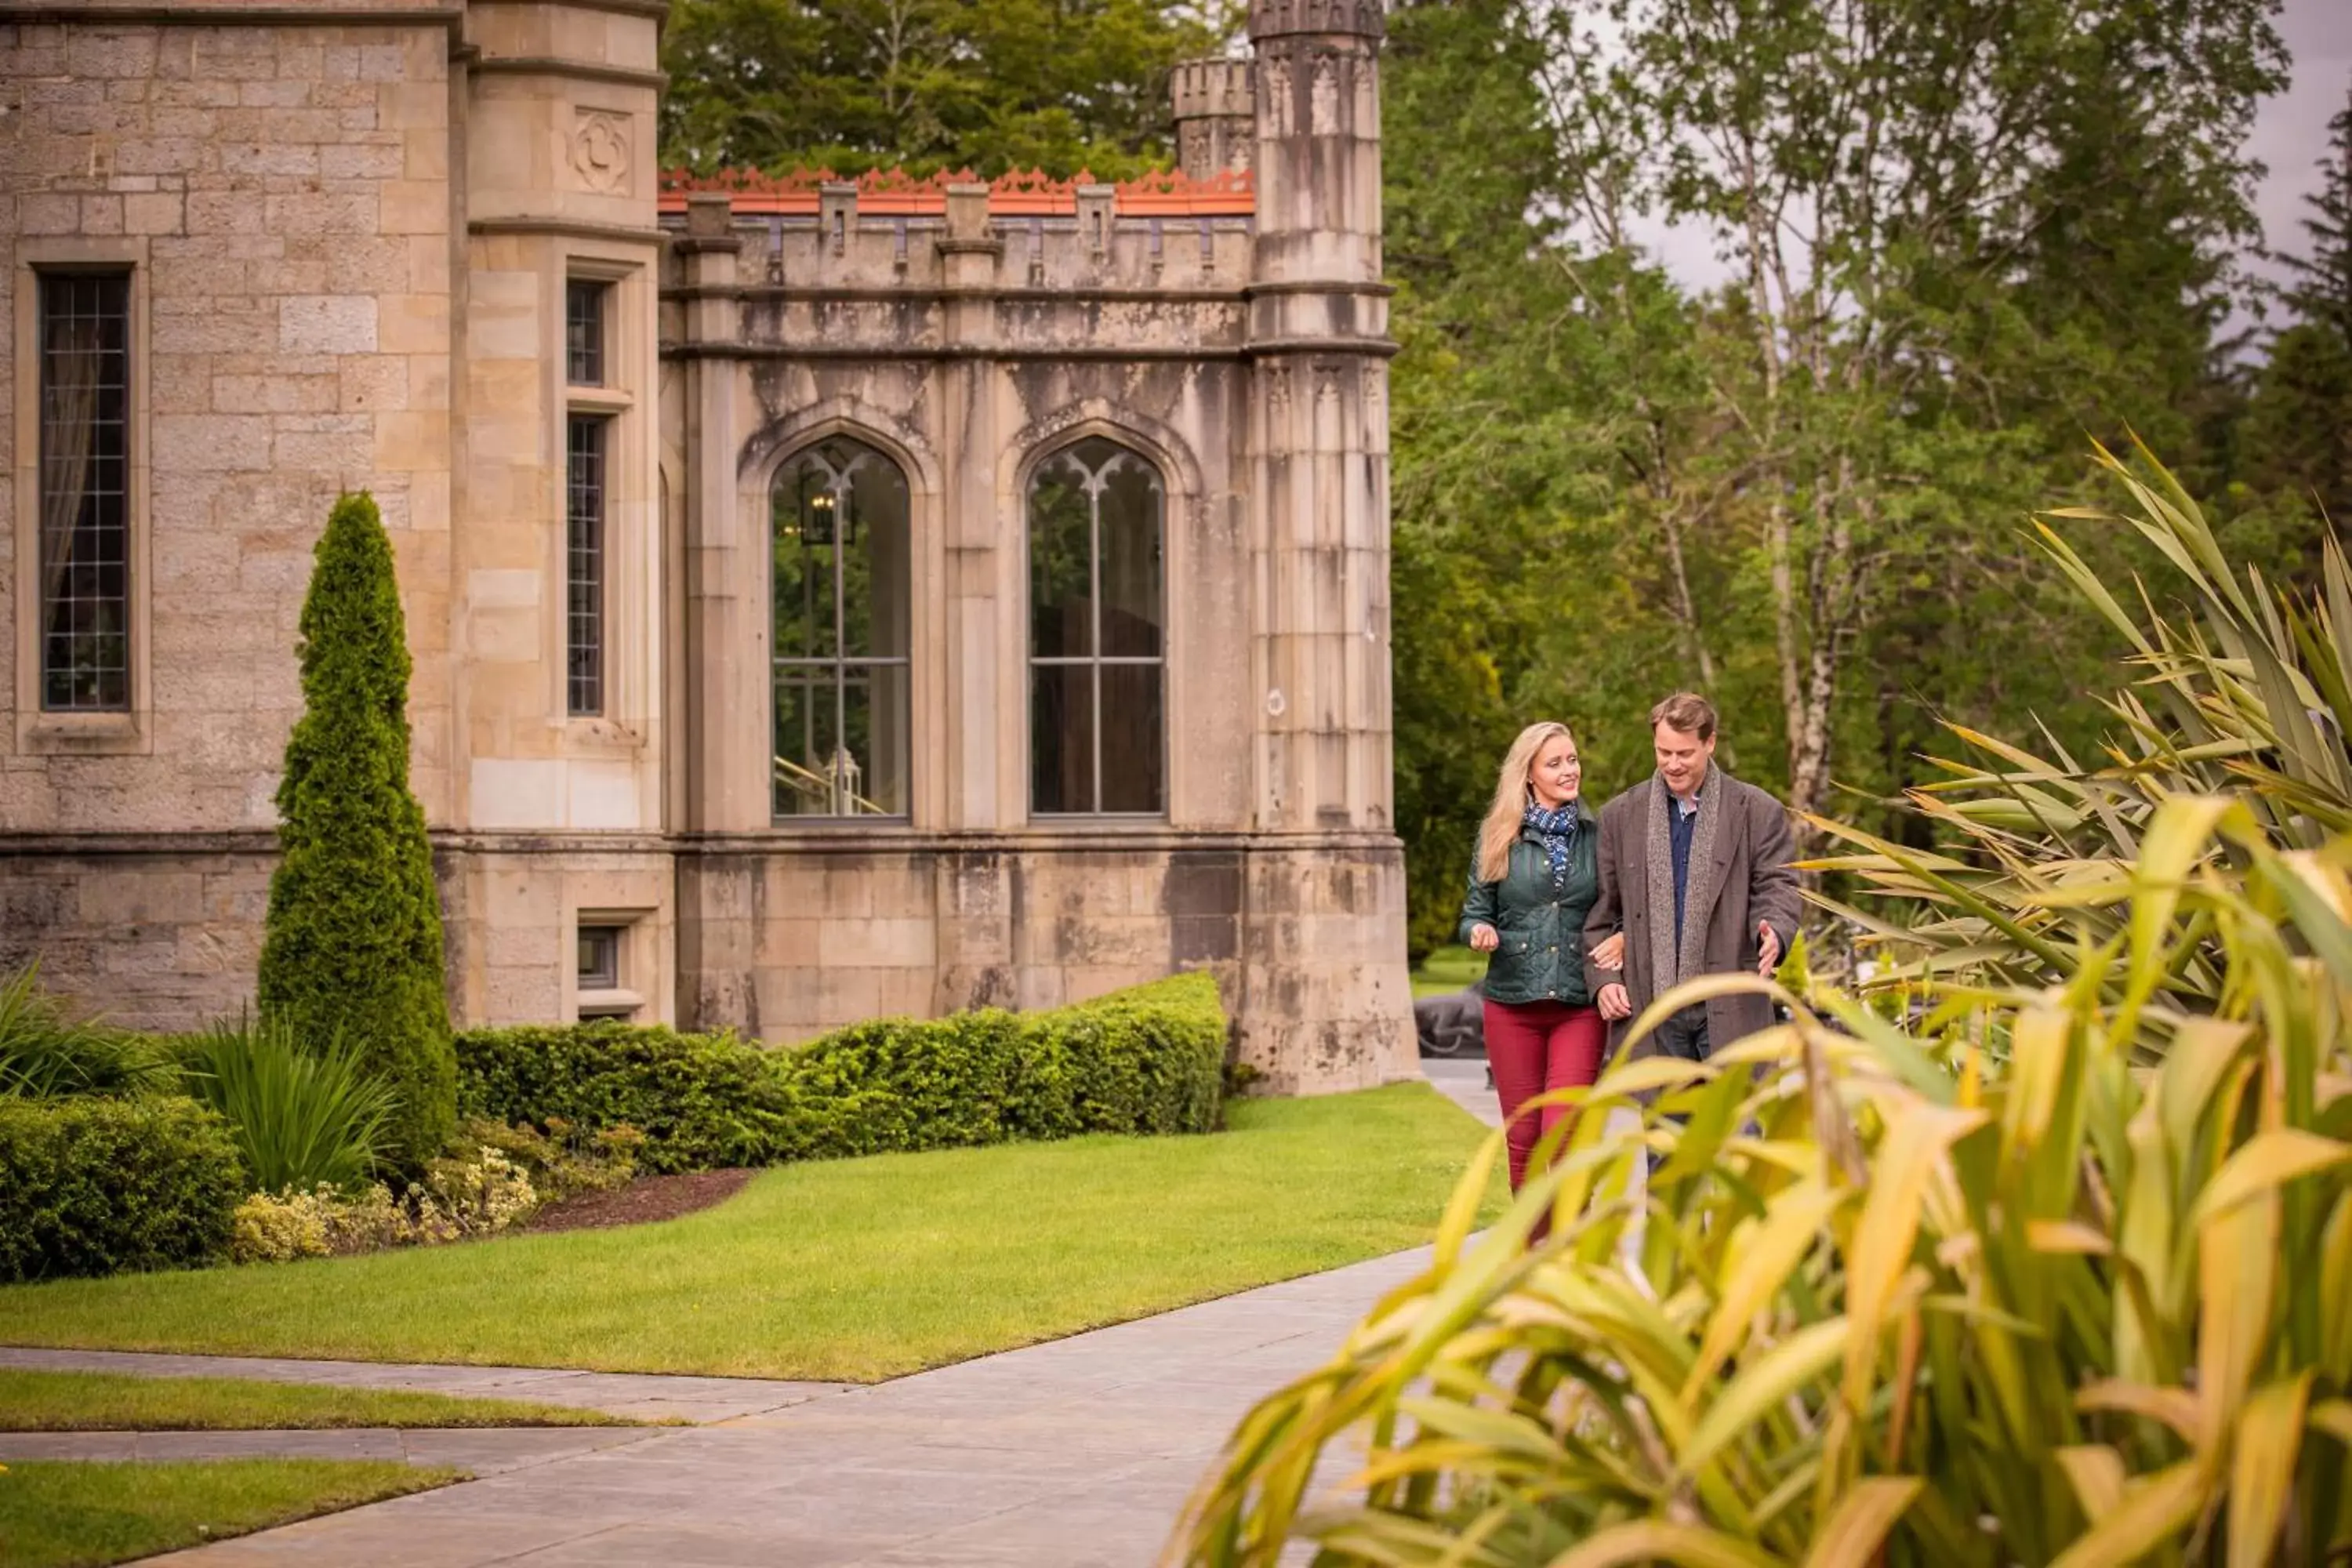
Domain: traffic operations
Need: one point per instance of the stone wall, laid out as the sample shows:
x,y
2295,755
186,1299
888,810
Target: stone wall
x,y
157,933
282,197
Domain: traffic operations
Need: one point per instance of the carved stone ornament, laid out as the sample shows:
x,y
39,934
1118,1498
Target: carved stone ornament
x,y
1323,96
600,150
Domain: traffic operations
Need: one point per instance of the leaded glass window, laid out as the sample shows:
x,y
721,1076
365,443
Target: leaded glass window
x,y
583,332
583,552
1097,699
85,490
841,606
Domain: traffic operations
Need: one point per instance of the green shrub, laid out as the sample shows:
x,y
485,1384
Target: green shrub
x,y
701,1101
1146,1060
98,1187
301,1118
353,944
48,1050
562,1161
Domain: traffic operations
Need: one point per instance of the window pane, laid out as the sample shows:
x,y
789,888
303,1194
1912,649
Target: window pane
x,y
584,332
1061,738
805,613
1132,728
841,741
1061,602
807,730
600,958
85,521
1130,510
584,558
881,706
874,536
841,605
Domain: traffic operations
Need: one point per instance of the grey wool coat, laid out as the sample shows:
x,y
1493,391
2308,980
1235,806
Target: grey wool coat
x,y
1745,876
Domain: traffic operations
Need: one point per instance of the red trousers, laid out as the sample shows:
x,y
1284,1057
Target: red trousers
x,y
1534,1047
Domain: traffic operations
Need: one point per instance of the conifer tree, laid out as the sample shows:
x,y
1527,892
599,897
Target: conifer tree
x,y
2298,435
354,942
2324,295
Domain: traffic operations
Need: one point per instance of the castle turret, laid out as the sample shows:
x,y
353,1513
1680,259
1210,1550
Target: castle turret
x,y
1330,923
1216,130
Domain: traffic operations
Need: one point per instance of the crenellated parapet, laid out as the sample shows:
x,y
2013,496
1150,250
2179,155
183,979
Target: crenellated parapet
x,y
1280,18
889,263
1216,111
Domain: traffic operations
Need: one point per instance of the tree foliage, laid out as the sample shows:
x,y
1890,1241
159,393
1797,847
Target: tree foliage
x,y
352,952
2299,425
993,85
1953,236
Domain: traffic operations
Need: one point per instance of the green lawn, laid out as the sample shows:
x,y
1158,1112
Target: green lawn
x,y
111,1401
850,1269
1447,969
55,1514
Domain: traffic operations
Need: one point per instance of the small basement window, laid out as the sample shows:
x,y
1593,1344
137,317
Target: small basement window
x,y
600,958
603,978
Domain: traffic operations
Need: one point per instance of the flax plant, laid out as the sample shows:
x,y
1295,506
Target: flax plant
x,y
2241,687
1888,1296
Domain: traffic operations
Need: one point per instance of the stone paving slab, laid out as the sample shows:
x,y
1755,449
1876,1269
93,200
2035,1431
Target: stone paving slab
x,y
483,1452
637,1396
1076,1453
1462,1080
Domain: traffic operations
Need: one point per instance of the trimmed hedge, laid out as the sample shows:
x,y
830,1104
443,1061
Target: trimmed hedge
x,y
1150,1059
99,1186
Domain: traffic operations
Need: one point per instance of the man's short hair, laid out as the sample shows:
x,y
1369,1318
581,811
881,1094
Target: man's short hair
x,y
1686,711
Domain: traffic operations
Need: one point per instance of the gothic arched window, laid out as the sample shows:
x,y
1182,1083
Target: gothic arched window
x,y
839,512
1098,693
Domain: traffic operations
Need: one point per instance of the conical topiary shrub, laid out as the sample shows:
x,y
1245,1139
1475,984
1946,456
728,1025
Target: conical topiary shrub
x,y
354,947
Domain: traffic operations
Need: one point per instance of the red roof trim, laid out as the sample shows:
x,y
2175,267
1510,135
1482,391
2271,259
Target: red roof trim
x,y
894,193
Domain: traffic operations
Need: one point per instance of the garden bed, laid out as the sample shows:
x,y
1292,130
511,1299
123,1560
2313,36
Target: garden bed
x,y
643,1201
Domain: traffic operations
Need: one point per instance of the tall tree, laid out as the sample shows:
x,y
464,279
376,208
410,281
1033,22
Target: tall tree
x,y
989,84
352,950
1885,178
2298,437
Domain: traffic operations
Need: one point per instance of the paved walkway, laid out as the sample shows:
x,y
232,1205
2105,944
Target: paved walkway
x,y
1462,1080
1073,1454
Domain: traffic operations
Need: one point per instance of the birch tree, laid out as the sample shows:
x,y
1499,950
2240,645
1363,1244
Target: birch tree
x,y
1881,178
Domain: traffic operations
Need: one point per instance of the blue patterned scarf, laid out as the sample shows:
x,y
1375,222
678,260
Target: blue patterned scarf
x,y
1557,830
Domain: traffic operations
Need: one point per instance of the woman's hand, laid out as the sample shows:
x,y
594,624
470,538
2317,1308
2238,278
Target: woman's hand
x,y
1611,955
1483,938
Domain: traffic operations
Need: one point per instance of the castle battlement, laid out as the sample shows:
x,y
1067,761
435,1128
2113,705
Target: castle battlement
x,y
891,231
1211,88
1275,19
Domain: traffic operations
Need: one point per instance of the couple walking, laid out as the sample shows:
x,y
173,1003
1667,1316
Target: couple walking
x,y
1590,921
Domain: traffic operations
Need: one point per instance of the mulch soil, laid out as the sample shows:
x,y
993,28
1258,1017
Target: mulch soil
x,y
643,1200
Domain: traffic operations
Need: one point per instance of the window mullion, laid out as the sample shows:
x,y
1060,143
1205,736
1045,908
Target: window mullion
x,y
1094,641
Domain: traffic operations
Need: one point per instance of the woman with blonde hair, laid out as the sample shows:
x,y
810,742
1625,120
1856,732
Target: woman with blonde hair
x,y
1534,876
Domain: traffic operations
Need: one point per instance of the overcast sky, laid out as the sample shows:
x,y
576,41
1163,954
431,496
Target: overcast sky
x,y
2291,132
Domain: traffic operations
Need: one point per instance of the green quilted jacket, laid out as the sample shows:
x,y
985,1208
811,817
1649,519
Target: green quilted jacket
x,y
1541,928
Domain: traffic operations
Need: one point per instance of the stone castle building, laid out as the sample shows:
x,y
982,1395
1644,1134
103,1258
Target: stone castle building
x,y
827,599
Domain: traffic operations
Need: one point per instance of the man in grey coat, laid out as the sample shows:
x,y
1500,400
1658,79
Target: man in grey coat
x,y
1695,872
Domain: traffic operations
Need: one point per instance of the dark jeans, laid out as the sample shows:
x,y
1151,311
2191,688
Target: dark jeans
x,y
1683,1036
